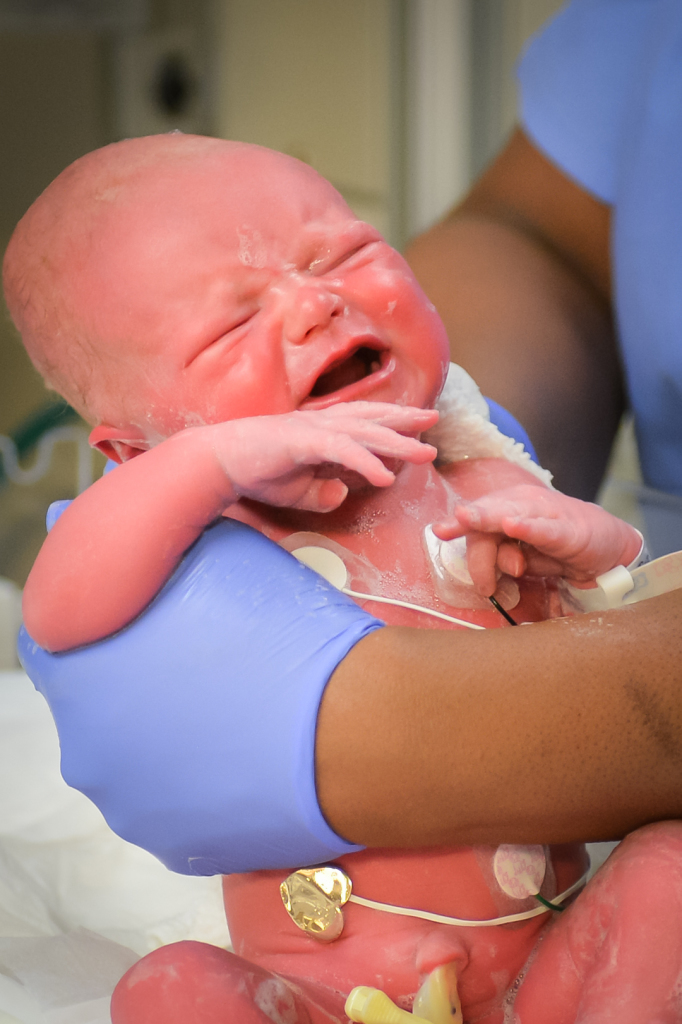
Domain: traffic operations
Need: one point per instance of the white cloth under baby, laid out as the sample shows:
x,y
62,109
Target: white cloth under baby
x,y
78,905
464,430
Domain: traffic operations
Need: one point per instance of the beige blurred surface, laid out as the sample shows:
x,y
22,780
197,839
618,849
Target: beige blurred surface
x,y
51,100
314,80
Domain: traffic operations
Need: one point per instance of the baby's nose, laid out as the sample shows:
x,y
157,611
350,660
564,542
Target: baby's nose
x,y
308,305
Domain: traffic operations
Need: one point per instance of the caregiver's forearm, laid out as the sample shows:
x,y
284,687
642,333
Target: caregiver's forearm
x,y
520,274
558,731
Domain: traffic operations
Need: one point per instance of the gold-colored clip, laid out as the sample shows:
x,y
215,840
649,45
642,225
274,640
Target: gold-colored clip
x,y
313,898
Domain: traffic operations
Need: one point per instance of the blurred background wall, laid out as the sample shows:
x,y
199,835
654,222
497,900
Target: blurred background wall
x,y
397,102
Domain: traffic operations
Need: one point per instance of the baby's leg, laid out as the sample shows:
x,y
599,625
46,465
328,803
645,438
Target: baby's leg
x,y
194,983
616,954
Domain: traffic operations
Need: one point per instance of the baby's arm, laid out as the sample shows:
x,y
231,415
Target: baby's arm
x,y
558,535
116,545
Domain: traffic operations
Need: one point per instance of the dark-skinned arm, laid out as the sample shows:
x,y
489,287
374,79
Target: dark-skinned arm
x,y
520,274
563,730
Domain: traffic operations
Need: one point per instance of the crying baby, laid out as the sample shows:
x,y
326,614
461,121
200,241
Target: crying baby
x,y
244,346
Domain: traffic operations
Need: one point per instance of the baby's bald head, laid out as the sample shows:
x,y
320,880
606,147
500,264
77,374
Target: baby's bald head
x,y
56,240
70,268
174,281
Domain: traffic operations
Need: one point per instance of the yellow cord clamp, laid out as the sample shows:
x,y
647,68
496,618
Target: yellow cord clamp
x,y
436,1002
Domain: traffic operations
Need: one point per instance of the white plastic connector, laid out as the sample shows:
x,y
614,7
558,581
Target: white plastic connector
x,y
615,584
621,586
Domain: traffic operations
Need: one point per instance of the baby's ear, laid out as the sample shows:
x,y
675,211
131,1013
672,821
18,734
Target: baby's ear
x,y
116,444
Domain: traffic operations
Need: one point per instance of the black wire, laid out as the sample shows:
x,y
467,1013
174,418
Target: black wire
x,y
505,614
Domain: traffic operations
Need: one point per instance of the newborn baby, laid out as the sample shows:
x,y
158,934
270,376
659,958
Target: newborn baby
x,y
182,288
245,346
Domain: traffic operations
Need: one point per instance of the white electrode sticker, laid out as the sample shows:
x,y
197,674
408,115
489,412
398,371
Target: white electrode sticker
x,y
520,870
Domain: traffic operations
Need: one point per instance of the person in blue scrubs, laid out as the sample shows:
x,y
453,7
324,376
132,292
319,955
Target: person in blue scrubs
x,y
559,275
559,280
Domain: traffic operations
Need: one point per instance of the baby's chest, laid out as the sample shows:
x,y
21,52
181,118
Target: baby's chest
x,y
389,560
380,549
413,581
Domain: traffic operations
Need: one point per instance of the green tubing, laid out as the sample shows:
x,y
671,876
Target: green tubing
x,y
546,903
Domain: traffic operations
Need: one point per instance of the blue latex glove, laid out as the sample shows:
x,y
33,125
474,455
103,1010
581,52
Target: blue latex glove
x,y
193,729
509,425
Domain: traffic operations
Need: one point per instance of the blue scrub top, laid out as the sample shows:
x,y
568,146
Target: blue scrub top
x,y
601,95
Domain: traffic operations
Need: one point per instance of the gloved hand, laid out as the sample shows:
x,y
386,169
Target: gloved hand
x,y
193,729
509,425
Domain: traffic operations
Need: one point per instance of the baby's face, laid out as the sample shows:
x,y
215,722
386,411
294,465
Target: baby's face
x,y
241,285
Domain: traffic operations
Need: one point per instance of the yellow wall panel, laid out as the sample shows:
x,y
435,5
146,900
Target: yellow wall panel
x,y
312,78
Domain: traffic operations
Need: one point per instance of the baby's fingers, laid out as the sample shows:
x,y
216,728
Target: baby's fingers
x,y
476,517
482,561
449,529
398,417
510,559
505,554
555,537
346,451
385,441
322,496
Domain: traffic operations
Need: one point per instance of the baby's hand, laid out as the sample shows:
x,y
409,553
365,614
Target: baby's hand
x,y
277,459
558,535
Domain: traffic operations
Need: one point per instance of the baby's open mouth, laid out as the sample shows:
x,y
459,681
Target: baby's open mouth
x,y
361,363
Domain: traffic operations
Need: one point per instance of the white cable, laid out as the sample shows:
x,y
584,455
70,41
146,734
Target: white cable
x,y
412,607
463,923
331,567
46,445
